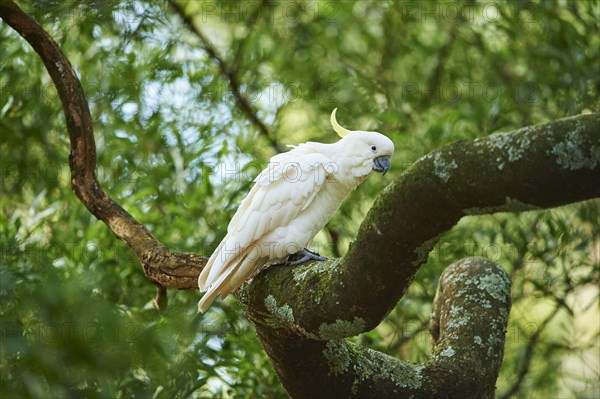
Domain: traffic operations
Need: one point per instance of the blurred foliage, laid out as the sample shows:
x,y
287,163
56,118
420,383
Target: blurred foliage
x,y
178,152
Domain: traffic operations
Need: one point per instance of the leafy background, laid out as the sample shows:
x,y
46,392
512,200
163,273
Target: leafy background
x,y
178,150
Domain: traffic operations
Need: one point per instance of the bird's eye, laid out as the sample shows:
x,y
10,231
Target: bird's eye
x,y
373,148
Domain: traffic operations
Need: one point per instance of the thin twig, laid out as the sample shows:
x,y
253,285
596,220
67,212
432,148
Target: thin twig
x,y
529,350
230,73
161,266
434,82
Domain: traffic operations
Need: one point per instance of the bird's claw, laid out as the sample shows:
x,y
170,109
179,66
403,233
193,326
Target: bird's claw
x,y
303,256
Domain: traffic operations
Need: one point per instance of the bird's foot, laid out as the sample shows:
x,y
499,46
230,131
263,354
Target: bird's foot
x,y
303,256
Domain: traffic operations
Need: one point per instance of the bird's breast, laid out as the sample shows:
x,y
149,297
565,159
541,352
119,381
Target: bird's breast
x,y
298,233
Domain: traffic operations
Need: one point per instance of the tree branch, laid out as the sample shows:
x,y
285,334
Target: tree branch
x,y
230,74
532,168
528,356
469,319
303,313
161,266
419,206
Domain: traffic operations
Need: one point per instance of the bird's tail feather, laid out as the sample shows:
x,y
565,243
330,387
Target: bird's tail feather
x,y
211,294
216,264
221,281
203,278
248,267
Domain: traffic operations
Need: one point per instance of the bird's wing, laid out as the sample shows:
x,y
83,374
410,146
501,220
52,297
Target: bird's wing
x,y
284,189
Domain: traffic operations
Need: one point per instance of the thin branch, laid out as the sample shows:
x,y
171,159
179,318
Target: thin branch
x,y
230,74
161,266
161,301
241,45
434,82
334,237
529,349
395,346
466,358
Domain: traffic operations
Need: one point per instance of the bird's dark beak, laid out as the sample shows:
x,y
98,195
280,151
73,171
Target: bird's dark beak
x,y
381,164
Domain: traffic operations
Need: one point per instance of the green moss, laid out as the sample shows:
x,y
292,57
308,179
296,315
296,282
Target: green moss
x,y
494,345
520,145
303,271
369,365
511,147
448,352
337,356
283,316
442,168
374,366
318,287
424,249
510,205
499,141
458,317
495,285
283,313
342,328
571,153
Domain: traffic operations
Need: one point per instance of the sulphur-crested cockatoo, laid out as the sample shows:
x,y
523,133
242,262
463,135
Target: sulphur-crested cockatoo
x,y
291,200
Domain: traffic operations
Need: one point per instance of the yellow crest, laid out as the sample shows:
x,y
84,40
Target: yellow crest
x,y
341,131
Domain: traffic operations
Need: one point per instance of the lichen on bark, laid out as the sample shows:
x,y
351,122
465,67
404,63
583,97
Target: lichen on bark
x,y
301,314
405,222
458,367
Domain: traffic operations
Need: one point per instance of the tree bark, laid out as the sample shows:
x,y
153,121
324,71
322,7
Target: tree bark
x,y
302,314
535,167
163,267
468,325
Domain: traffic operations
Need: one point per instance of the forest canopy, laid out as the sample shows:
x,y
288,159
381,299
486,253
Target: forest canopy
x,y
190,100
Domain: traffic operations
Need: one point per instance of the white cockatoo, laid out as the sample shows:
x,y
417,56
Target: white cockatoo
x,y
291,200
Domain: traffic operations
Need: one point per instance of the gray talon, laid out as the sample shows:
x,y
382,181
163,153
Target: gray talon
x,y
303,256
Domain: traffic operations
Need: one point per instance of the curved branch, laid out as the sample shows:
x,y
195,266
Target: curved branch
x,y
469,322
532,168
301,313
163,267
415,210
229,72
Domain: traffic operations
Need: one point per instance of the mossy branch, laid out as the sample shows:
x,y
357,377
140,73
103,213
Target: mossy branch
x,y
469,320
303,313
535,167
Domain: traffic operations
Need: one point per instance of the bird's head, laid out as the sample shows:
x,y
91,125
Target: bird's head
x,y
368,151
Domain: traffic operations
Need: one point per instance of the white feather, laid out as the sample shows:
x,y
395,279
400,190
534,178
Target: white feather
x,y
291,200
